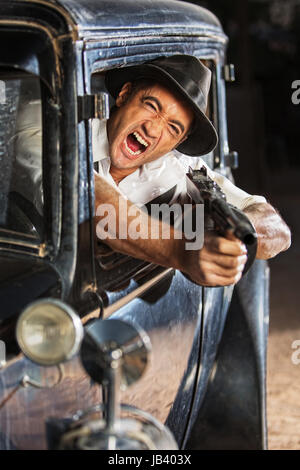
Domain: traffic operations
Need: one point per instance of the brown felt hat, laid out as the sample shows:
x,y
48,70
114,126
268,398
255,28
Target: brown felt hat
x,y
187,76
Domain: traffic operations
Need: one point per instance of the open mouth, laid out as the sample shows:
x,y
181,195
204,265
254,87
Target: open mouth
x,y
135,144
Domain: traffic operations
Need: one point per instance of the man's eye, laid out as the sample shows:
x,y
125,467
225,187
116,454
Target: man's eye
x,y
174,129
151,105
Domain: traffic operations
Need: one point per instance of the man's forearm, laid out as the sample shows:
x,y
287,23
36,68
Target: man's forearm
x,y
274,235
159,251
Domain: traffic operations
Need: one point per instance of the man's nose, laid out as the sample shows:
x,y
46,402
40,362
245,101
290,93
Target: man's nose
x,y
153,127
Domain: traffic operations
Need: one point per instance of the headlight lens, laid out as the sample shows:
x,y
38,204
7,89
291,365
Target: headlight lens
x,y
49,332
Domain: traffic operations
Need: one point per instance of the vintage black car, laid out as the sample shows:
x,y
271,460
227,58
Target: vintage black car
x,y
206,376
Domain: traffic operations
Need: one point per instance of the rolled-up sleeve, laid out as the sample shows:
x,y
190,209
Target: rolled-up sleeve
x,y
235,196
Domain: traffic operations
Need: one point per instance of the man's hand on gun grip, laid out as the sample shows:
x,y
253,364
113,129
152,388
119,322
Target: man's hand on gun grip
x,y
219,263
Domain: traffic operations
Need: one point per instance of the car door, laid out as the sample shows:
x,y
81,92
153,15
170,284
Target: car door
x,y
183,320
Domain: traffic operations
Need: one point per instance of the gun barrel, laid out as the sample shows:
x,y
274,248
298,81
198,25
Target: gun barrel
x,y
245,235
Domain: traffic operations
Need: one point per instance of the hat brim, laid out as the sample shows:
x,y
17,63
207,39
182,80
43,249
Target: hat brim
x,y
203,138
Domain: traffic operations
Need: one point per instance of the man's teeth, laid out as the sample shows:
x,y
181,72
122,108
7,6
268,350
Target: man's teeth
x,y
131,151
140,139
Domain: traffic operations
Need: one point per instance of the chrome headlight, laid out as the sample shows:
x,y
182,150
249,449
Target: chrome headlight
x,y
49,332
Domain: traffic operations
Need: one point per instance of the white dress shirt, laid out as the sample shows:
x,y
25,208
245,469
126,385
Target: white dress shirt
x,y
155,178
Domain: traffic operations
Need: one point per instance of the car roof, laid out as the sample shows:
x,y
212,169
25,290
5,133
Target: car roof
x,y
94,18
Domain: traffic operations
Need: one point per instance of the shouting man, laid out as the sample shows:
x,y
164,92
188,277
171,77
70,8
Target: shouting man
x,y
159,107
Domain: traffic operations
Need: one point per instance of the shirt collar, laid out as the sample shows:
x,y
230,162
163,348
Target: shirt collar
x,y
99,140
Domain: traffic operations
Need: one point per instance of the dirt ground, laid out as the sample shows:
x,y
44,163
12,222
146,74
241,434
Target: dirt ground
x,y
283,377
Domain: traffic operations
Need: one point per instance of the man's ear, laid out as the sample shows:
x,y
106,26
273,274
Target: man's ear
x,y
124,94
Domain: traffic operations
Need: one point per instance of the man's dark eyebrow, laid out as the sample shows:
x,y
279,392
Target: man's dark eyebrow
x,y
153,98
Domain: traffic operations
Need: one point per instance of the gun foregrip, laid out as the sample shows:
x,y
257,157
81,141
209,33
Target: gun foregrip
x,y
227,217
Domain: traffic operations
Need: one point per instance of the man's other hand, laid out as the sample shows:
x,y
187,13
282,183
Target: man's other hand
x,y
219,263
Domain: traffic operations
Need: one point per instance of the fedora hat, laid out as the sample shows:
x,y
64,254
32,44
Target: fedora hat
x,y
186,76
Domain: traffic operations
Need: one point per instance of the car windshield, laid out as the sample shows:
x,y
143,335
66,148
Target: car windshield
x,y
21,197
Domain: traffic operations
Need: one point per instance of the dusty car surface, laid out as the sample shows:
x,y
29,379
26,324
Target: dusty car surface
x,y
206,376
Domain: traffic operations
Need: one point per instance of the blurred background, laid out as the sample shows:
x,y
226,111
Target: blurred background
x,y
264,128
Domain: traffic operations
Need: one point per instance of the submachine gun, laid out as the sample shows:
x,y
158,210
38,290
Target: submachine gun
x,y
219,215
